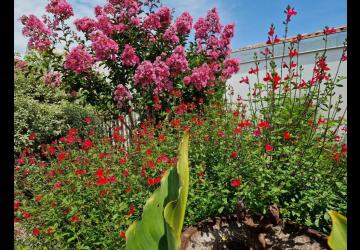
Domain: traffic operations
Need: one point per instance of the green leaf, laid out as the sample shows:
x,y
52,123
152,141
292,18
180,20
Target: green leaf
x,y
164,212
338,236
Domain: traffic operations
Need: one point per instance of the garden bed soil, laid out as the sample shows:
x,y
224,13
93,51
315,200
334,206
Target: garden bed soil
x,y
231,233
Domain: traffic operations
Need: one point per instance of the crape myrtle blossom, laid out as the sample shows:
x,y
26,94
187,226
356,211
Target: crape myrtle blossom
x,y
177,61
122,96
201,28
85,24
129,57
60,8
162,74
78,60
53,79
144,74
164,14
170,35
184,23
231,66
152,22
104,47
200,77
37,31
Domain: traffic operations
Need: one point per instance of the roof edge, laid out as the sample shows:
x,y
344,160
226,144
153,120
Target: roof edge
x,y
289,39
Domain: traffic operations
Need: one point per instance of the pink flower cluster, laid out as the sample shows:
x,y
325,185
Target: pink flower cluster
x,y
184,23
145,74
37,31
85,24
104,47
128,57
200,77
213,21
162,75
20,64
201,28
170,35
53,79
78,60
152,22
164,14
60,8
158,73
177,61
209,25
122,96
231,66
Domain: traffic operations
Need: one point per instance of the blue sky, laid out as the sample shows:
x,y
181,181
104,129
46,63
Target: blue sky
x,y
252,17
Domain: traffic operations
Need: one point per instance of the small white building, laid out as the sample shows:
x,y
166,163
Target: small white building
x,y
310,45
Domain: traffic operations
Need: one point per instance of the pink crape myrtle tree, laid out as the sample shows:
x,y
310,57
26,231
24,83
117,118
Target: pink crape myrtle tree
x,y
147,65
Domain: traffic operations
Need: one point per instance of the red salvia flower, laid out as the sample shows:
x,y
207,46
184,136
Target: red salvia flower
x,y
150,181
102,180
244,80
74,219
122,234
32,136
286,136
235,183
88,120
36,231
125,173
268,147
234,154
57,185
131,210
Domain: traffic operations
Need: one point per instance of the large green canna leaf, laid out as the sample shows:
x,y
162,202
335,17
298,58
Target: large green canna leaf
x,y
163,214
337,239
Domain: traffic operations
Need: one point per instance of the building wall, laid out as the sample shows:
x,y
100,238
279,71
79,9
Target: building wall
x,y
307,54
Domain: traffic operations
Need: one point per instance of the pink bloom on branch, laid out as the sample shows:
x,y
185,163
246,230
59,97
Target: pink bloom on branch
x,y
152,22
53,79
162,74
213,20
231,66
60,8
38,33
177,61
144,74
78,60
164,14
122,96
129,57
85,24
104,47
170,35
201,28
200,77
104,24
183,23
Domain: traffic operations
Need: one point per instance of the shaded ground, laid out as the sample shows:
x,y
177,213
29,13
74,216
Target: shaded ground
x,y
229,233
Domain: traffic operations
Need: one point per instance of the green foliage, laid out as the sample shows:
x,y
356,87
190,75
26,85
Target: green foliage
x,y
45,111
163,213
